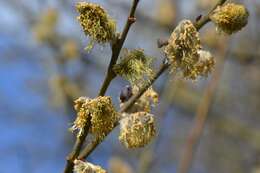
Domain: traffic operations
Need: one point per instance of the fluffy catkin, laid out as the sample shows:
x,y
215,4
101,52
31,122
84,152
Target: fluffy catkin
x,y
101,112
230,18
183,46
203,67
134,66
86,167
95,22
137,129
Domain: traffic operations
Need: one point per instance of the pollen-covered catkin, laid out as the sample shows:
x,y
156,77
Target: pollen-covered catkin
x,y
86,167
183,46
134,65
101,112
96,23
137,129
203,67
230,18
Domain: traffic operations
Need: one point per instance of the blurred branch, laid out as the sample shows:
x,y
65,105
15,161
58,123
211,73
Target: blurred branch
x,y
238,129
201,116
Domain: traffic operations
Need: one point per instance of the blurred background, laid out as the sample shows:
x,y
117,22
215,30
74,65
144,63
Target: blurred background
x,y
43,68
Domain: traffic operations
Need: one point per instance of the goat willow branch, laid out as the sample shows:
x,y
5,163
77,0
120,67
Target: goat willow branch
x,y
116,48
198,24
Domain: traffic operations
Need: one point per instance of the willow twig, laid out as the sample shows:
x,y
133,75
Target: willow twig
x,y
91,147
116,48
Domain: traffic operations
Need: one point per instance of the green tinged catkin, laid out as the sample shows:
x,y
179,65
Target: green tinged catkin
x,y
230,18
86,167
185,54
137,129
96,23
134,66
101,112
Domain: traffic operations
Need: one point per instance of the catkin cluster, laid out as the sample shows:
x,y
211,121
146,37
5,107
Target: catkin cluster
x,y
137,129
203,67
95,22
101,113
184,52
183,46
134,65
86,167
230,18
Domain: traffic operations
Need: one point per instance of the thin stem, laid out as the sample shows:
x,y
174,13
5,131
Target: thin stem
x,y
76,148
116,48
205,19
91,147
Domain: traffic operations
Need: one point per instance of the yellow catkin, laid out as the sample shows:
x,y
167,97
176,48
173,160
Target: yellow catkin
x,y
101,112
134,66
230,18
137,129
95,22
182,50
86,167
203,67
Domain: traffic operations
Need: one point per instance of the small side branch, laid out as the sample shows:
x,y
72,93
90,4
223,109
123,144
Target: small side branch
x,y
76,148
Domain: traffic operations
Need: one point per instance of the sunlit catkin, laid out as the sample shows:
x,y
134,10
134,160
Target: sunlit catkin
x,y
101,112
230,18
96,23
183,46
86,167
203,67
134,66
137,129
